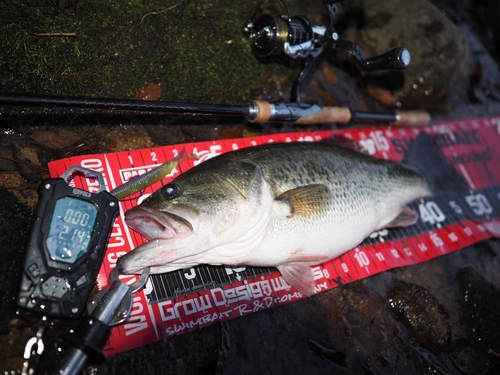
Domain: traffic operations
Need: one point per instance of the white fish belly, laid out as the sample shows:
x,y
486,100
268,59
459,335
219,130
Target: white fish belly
x,y
320,238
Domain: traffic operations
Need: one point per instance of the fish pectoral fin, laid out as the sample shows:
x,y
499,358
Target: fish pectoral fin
x,y
405,218
307,200
299,276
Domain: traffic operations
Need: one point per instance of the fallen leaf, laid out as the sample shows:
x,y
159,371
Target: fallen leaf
x,y
150,92
383,96
229,132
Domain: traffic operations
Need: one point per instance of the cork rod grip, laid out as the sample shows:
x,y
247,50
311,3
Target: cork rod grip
x,y
326,115
412,118
263,111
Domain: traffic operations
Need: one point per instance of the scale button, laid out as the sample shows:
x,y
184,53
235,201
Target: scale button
x,y
34,270
81,281
55,287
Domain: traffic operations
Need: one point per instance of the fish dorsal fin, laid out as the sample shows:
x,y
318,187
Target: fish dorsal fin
x,y
307,200
299,276
405,218
243,178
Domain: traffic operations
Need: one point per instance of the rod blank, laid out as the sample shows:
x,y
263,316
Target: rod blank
x,y
257,111
122,104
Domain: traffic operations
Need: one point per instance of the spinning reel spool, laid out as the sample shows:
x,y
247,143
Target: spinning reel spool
x,y
278,35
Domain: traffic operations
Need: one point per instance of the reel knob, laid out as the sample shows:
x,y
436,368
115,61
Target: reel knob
x,y
396,59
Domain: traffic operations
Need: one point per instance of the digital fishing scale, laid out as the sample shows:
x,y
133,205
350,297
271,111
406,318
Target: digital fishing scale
x,y
67,242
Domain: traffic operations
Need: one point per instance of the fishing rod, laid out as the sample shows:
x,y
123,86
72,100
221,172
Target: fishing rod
x,y
258,111
292,36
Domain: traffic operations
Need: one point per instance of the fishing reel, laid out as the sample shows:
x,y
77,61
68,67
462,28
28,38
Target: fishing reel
x,y
278,35
296,37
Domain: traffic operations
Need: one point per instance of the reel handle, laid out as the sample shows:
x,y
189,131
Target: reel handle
x,y
396,59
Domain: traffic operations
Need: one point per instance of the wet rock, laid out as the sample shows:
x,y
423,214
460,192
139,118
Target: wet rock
x,y
58,138
481,15
421,313
360,327
30,157
194,353
198,133
485,83
125,138
256,351
437,78
6,159
14,226
469,361
481,304
12,344
330,85
328,353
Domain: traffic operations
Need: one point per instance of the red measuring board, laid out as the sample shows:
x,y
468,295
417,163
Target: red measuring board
x,y
185,300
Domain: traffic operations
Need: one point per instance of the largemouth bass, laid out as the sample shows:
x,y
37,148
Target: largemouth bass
x,y
290,206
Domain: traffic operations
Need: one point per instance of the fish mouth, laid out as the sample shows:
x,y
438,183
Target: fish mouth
x,y
154,224
162,229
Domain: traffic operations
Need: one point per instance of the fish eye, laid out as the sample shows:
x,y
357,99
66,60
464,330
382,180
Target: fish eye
x,y
170,191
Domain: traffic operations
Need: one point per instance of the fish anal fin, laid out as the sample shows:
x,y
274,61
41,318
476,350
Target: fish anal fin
x,y
299,276
307,200
405,218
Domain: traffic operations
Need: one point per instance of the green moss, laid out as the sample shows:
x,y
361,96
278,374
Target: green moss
x,y
196,51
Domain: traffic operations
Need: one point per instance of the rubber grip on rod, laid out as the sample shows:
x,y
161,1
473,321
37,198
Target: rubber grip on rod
x,y
412,118
327,115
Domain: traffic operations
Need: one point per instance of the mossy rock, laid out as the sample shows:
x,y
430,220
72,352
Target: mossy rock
x,y
196,50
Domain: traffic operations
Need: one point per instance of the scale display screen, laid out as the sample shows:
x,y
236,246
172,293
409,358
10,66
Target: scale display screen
x,y
70,229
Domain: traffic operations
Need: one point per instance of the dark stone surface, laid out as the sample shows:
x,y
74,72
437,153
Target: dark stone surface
x,y
434,80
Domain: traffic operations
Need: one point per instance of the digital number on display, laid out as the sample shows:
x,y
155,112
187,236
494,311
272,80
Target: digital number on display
x,y
70,229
